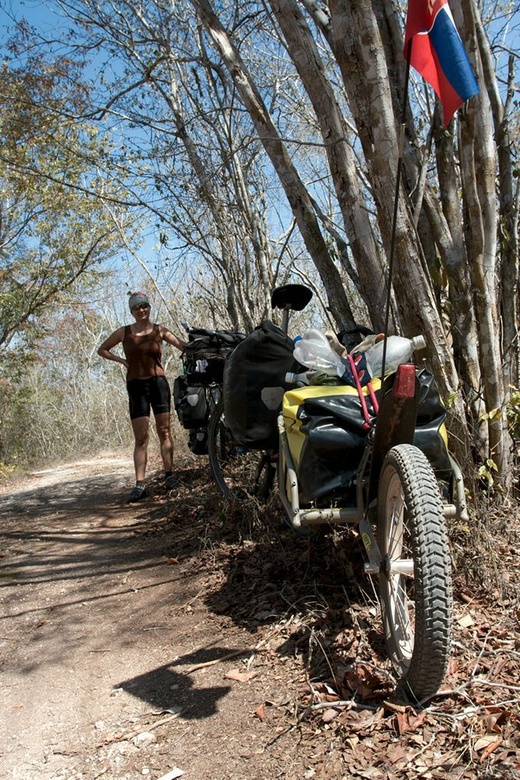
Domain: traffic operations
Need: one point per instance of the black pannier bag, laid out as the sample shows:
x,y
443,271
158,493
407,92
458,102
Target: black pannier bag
x,y
430,432
333,445
254,384
334,441
198,441
190,403
203,360
206,352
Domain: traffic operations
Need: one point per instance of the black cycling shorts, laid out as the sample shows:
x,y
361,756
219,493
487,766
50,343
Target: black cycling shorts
x,y
144,394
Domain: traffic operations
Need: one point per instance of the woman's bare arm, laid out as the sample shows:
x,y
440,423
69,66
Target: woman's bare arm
x,y
112,341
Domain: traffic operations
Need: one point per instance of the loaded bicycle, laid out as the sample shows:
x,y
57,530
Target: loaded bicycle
x,y
372,458
198,390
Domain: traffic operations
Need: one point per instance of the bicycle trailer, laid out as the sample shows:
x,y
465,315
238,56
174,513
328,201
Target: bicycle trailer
x,y
326,434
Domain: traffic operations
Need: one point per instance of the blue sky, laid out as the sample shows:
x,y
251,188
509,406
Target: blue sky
x,y
47,19
130,271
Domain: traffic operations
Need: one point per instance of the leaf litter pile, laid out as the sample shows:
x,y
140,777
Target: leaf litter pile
x,y
308,602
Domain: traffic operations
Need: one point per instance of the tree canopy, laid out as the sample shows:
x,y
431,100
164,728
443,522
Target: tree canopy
x,y
60,217
264,139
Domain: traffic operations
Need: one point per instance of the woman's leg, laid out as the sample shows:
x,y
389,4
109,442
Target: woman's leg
x,y
162,423
141,427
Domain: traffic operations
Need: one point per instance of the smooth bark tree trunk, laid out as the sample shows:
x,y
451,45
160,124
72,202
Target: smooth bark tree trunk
x,y
295,190
306,57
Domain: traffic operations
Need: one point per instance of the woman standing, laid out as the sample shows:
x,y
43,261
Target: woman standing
x,y
147,386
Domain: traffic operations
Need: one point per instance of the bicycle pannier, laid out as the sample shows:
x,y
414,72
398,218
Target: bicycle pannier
x,y
198,441
206,352
254,384
326,436
190,403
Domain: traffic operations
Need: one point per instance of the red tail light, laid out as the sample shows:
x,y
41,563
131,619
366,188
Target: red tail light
x,y
404,385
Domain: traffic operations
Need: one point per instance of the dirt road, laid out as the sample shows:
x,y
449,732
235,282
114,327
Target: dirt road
x,y
158,640
102,624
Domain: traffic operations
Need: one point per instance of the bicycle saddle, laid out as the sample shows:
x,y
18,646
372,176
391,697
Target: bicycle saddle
x,y
291,296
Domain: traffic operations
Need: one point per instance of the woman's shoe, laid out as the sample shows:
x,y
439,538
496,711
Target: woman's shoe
x,y
136,494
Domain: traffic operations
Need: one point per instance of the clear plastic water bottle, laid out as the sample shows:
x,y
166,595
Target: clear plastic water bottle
x,y
314,351
398,350
297,379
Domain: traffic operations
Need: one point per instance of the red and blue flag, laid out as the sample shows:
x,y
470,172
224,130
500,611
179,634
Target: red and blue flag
x,y
437,53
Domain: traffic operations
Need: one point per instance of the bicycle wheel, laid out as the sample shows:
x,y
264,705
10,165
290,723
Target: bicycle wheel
x,y
239,473
415,578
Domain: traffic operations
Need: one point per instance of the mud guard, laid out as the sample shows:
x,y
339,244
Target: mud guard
x,y
396,419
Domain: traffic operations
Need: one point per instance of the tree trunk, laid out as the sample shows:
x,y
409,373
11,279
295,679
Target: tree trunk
x,y
508,207
306,58
448,231
359,52
479,177
294,188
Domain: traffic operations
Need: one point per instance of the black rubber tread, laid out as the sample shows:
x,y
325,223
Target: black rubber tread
x,y
421,676
216,443
239,477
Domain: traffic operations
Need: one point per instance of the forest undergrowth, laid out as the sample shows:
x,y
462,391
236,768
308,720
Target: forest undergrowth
x,y
315,599
311,616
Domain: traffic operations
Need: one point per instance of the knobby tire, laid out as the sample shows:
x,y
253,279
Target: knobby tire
x,y
415,581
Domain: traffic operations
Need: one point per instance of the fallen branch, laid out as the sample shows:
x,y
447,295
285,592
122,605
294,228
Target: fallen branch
x,y
235,653
341,704
190,601
280,734
131,734
478,681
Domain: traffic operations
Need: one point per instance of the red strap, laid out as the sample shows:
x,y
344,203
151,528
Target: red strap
x,y
364,408
373,396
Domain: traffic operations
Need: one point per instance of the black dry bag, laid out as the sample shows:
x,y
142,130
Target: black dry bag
x,y
254,384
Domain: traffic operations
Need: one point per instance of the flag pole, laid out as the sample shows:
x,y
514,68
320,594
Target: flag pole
x,y
396,201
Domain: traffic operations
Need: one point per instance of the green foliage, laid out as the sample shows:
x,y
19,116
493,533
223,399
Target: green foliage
x,y
487,472
59,218
493,415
